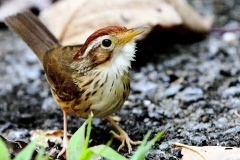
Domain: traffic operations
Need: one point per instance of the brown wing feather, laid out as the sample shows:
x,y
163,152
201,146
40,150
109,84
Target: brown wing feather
x,y
56,64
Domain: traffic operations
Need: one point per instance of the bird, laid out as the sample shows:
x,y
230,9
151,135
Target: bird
x,y
92,77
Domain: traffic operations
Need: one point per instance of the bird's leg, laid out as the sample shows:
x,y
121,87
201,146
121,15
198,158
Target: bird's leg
x,y
65,137
123,136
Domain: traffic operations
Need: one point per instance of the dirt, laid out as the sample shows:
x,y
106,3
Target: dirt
x,y
193,87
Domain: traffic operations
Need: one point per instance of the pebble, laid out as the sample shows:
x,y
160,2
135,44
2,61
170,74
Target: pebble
x,y
33,88
198,140
233,130
137,111
144,86
214,135
6,126
163,146
231,38
18,134
146,102
191,94
49,104
153,76
222,120
231,92
172,90
209,111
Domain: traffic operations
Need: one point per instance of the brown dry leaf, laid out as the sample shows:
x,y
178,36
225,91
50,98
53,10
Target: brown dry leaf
x,y
10,7
208,152
191,19
50,135
15,147
72,21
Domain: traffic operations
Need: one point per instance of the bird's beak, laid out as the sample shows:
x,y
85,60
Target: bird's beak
x,y
131,33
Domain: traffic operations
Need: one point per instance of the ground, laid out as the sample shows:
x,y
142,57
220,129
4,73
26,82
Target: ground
x,y
192,87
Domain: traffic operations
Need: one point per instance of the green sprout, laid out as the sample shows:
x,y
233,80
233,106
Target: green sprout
x,y
78,147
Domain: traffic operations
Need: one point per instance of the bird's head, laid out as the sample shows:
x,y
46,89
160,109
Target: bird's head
x,y
111,47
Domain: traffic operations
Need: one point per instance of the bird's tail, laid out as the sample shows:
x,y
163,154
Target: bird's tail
x,y
31,30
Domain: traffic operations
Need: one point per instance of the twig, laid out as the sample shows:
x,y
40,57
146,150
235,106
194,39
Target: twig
x,y
191,148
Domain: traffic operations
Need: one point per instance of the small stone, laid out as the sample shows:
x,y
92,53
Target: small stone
x,y
153,76
146,102
172,90
146,120
231,92
144,86
6,126
49,104
198,140
209,111
222,120
214,135
34,87
163,146
137,111
18,134
233,130
191,94
231,38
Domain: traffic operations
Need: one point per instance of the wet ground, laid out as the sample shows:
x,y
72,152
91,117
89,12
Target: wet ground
x,y
194,87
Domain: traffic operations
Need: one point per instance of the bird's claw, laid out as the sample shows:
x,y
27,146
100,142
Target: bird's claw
x,y
124,138
65,145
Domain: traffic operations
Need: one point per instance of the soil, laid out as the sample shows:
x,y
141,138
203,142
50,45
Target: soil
x,y
193,87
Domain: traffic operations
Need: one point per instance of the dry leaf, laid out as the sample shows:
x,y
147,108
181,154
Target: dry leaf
x,y
72,21
11,7
191,19
208,152
50,135
15,147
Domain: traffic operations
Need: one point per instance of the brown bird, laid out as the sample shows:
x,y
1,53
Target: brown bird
x,y
92,77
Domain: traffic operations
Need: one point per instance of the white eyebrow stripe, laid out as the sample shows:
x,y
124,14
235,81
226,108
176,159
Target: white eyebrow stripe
x,y
94,44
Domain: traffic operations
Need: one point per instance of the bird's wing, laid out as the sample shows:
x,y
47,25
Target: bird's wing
x,y
56,63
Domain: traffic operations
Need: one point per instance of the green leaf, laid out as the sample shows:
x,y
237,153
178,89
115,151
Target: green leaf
x,y
107,152
145,147
77,143
41,156
86,154
26,153
3,151
139,154
89,127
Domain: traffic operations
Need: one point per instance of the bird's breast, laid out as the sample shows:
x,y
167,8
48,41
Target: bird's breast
x,y
102,94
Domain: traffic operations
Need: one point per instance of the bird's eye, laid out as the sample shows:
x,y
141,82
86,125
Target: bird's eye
x,y
106,42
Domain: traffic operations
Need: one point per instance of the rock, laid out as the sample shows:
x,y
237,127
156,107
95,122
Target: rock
x,y
19,134
233,130
191,94
144,87
163,146
232,91
231,38
222,120
49,104
172,90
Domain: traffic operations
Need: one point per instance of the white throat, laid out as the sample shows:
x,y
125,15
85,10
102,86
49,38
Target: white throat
x,y
121,60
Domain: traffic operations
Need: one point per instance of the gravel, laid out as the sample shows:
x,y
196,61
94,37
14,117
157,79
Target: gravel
x,y
194,88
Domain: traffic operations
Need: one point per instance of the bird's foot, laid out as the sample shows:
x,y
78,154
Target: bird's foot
x,y
65,145
124,138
